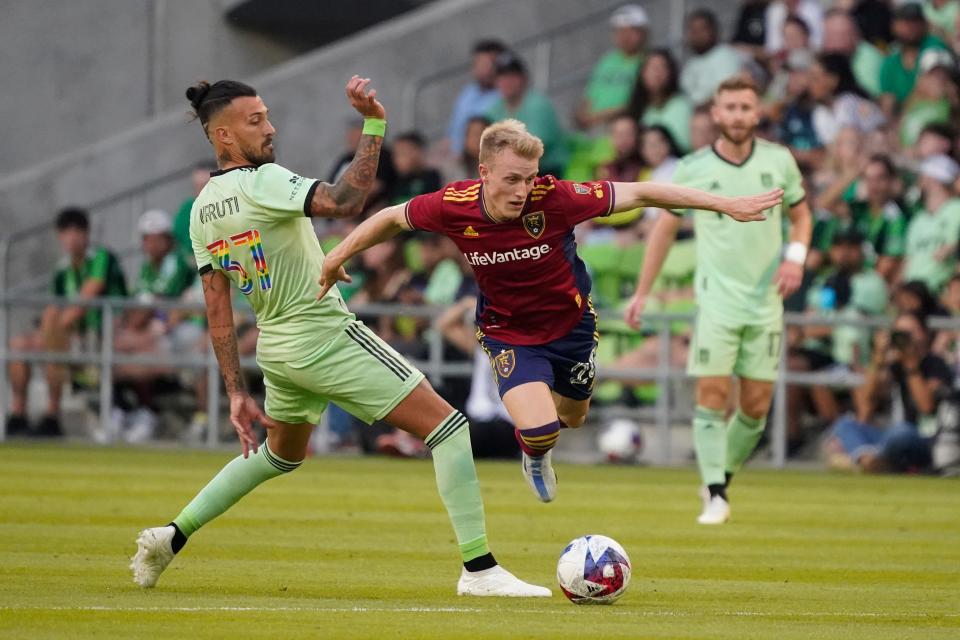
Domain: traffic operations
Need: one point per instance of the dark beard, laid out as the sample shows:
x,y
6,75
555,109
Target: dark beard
x,y
746,136
258,157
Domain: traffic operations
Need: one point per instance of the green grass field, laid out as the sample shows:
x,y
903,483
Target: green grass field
x,y
361,548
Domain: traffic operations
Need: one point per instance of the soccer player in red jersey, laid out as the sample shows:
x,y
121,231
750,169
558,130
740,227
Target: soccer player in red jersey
x,y
534,315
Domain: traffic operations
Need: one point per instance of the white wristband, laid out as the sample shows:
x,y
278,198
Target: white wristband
x,y
796,252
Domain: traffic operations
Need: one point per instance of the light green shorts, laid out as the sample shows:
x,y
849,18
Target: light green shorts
x,y
721,348
355,370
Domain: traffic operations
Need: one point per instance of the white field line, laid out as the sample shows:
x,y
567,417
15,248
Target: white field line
x,y
571,611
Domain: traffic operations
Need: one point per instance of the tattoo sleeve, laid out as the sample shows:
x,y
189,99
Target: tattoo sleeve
x,y
346,197
216,293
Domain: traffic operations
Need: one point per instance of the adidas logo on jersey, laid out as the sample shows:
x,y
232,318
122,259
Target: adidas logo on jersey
x,y
470,232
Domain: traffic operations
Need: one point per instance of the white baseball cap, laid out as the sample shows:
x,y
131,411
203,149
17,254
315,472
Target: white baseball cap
x,y
629,15
155,221
933,58
941,168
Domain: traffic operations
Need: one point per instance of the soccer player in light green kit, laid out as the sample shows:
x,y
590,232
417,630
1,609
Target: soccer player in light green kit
x,y
743,273
250,226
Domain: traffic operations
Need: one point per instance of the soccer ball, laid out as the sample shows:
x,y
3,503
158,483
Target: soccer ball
x,y
593,570
621,441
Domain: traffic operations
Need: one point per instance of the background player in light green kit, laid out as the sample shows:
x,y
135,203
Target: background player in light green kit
x,y
743,273
250,226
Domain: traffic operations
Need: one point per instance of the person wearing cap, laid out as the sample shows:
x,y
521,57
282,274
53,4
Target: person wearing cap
x,y
612,79
84,272
931,100
841,34
520,101
711,61
931,252
163,274
900,67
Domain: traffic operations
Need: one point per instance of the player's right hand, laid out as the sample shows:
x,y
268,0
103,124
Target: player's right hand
x,y
330,273
243,412
751,208
634,310
366,103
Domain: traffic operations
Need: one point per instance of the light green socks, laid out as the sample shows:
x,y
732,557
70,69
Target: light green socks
x,y
743,434
237,479
458,484
709,441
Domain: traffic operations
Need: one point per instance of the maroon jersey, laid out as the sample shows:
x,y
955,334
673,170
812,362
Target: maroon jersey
x,y
533,286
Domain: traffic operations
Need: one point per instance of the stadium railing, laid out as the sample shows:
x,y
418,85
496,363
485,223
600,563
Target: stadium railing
x,y
434,366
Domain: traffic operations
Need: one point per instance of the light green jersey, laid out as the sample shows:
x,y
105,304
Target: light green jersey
x,y
927,234
737,261
250,223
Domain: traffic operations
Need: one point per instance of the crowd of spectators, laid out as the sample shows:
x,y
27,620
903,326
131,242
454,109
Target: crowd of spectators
x,y
865,93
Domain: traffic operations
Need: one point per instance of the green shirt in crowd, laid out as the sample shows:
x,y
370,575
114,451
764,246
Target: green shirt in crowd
x,y
99,264
898,80
674,116
181,229
612,80
884,232
865,64
927,234
945,18
736,262
169,279
250,223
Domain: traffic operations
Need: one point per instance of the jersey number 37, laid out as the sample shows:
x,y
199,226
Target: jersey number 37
x,y
250,239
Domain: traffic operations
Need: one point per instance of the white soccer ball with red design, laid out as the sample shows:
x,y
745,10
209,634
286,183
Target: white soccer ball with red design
x,y
593,570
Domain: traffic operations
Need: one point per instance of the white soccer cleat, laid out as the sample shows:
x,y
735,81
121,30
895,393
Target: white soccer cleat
x,y
497,582
540,476
154,553
717,511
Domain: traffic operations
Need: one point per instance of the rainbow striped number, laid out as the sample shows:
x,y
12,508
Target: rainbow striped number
x,y
250,238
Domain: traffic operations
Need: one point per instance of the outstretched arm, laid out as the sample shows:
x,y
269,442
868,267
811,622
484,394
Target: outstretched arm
x,y
346,197
243,408
378,228
658,246
632,195
790,274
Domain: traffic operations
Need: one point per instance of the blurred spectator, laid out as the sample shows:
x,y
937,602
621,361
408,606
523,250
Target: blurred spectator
x,y
842,35
386,175
656,98
702,130
936,138
901,360
608,90
900,67
779,13
873,18
750,33
841,102
84,273
660,154
164,274
793,109
531,107
942,15
913,296
413,177
934,97
796,36
931,251
181,223
627,163
470,158
711,63
441,264
476,98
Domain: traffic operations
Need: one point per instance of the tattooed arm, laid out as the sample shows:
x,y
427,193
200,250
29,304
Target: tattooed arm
x,y
346,197
243,409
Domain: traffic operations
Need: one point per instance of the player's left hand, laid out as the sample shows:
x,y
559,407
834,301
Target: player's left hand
x,y
331,272
788,278
366,103
751,208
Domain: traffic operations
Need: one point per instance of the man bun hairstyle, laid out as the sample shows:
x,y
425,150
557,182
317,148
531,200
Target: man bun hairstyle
x,y
509,134
208,99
